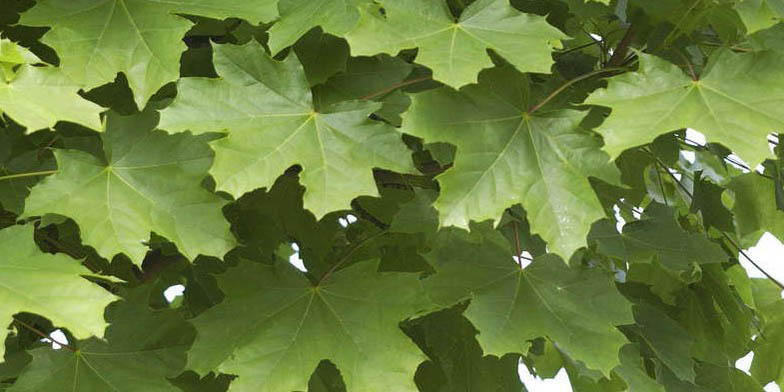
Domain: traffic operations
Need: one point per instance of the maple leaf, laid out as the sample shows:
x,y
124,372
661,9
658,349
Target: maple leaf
x,y
575,307
274,326
272,124
507,156
336,17
760,14
724,104
657,236
92,37
49,285
39,97
147,181
142,347
457,50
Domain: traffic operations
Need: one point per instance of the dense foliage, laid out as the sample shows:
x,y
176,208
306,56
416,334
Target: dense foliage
x,y
470,186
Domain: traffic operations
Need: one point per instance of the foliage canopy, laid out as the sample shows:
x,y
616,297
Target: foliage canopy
x,y
468,186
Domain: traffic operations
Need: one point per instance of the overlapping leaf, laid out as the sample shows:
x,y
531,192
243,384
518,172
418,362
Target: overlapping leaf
x,y
272,124
657,236
336,17
760,14
456,50
506,156
274,326
142,348
725,103
50,285
39,97
755,208
578,308
141,38
148,181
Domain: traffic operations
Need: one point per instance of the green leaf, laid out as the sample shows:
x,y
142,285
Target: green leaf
x,y
671,343
336,17
456,361
506,156
755,208
273,125
632,370
39,97
578,308
657,236
726,379
457,50
768,363
322,55
148,181
91,37
20,161
724,104
50,285
142,348
274,326
12,53
760,14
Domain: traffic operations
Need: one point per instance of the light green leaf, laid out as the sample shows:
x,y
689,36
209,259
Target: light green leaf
x,y
760,14
578,308
12,53
149,181
39,97
506,156
272,125
657,236
336,17
725,104
142,348
49,285
457,50
274,326
96,39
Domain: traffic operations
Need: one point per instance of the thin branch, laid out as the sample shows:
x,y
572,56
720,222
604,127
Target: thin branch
x,y
727,237
42,334
742,252
576,48
571,82
395,87
31,174
517,244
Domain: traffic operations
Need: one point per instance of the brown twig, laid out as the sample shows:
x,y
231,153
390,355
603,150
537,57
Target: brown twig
x,y
622,49
42,334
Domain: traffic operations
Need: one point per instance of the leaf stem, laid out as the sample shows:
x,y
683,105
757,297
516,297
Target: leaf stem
x,y
42,334
566,85
395,86
517,245
31,174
